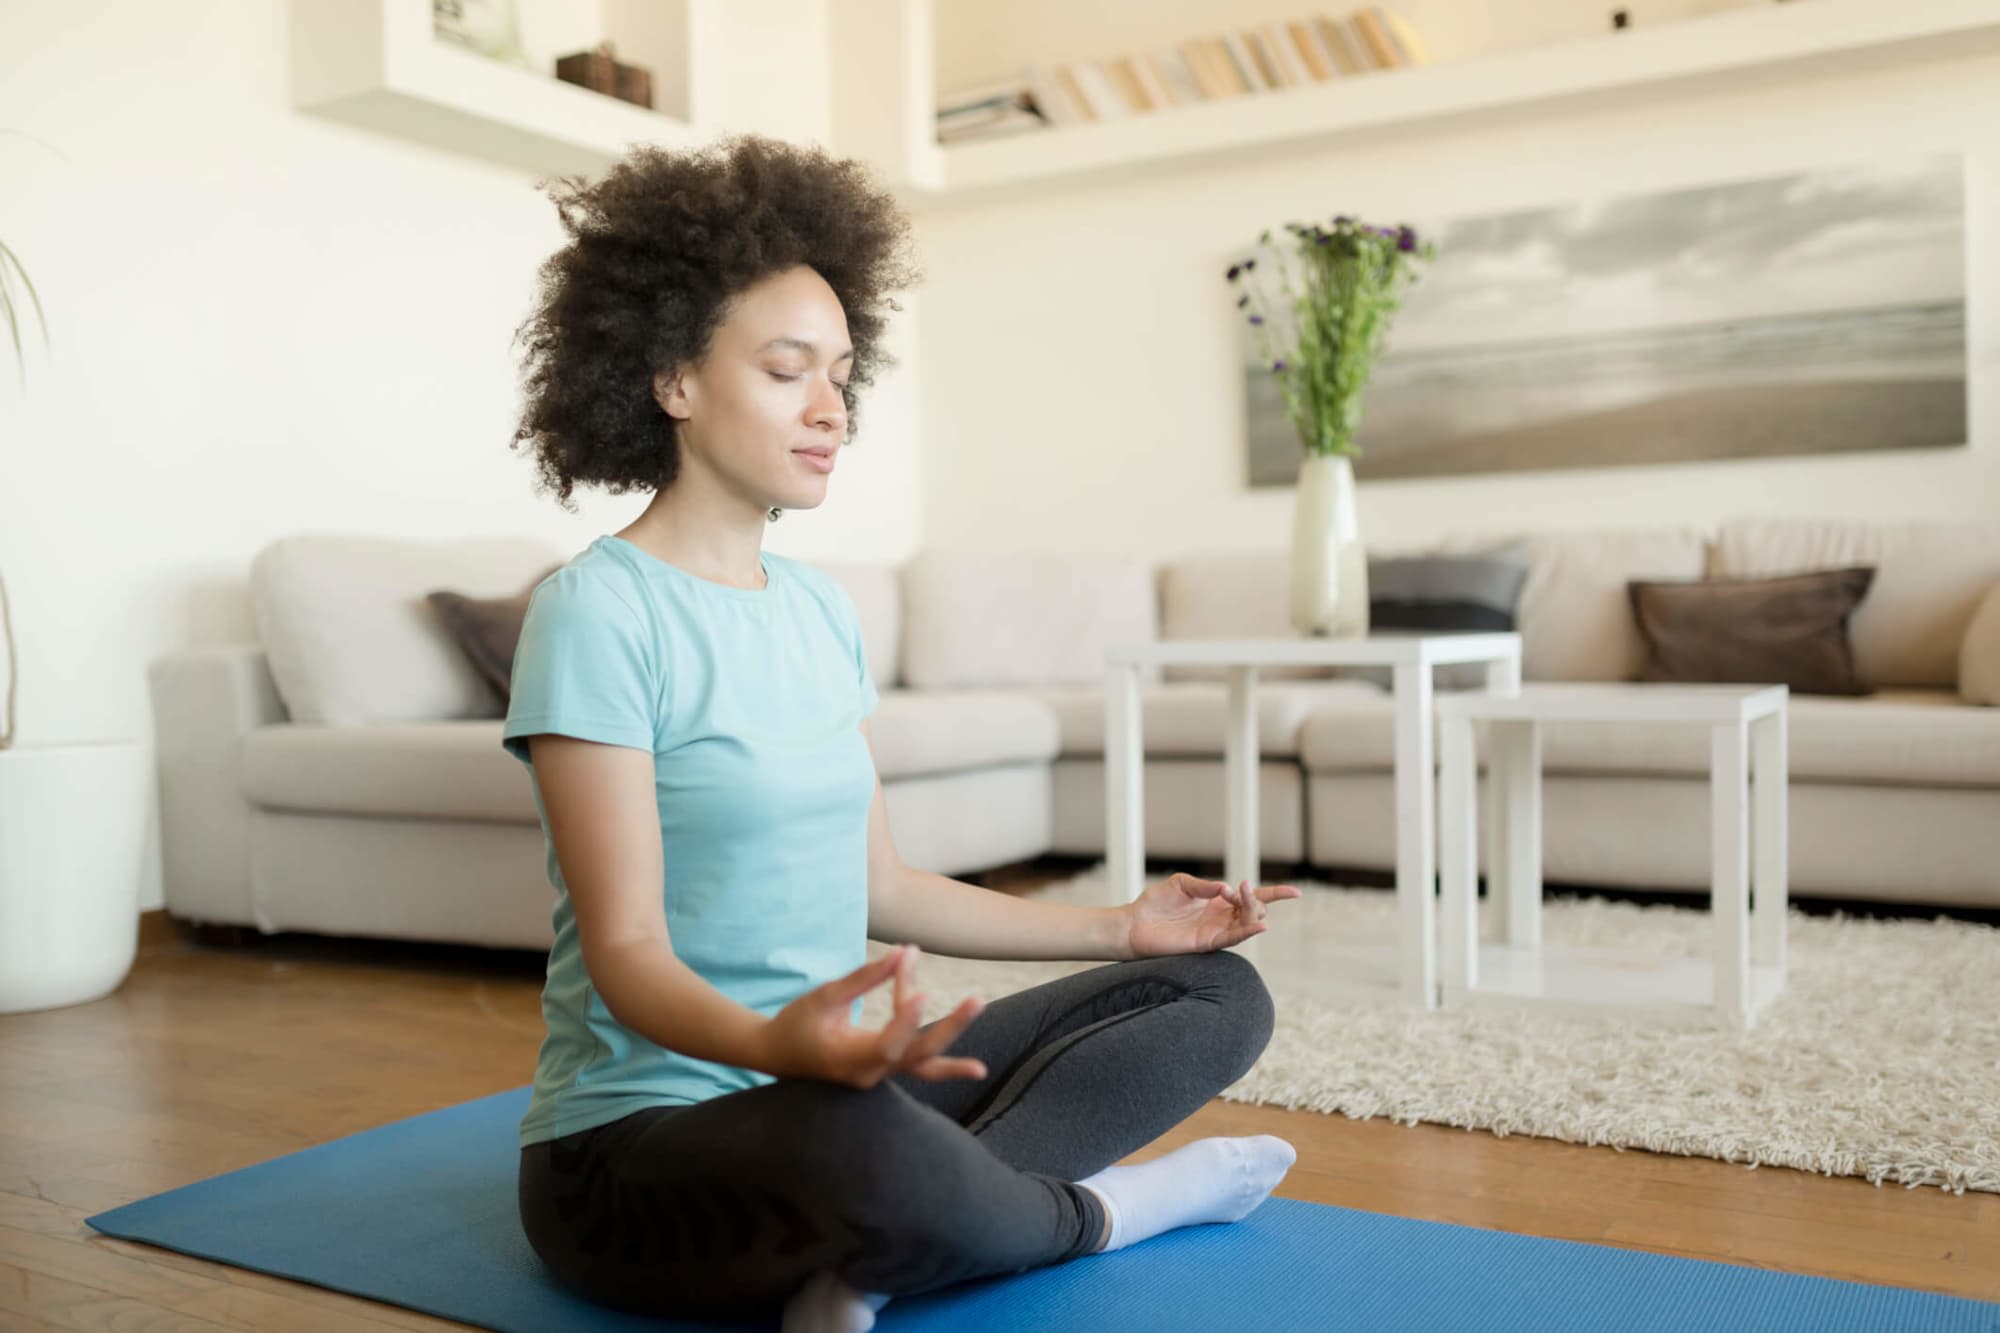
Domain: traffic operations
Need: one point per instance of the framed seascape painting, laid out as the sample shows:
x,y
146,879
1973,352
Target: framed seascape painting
x,y
1816,313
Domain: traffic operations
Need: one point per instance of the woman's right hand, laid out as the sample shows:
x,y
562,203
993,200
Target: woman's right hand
x,y
812,1038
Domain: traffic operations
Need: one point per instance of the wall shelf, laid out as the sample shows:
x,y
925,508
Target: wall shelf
x,y
1736,48
374,63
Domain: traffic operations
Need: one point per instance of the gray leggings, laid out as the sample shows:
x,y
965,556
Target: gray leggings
x,y
722,1208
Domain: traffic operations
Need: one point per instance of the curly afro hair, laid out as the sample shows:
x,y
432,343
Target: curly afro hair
x,y
658,248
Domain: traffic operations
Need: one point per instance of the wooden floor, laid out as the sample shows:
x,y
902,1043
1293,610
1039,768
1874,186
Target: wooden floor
x,y
221,1050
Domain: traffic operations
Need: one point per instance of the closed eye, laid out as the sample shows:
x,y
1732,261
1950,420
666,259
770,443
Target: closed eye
x,y
838,384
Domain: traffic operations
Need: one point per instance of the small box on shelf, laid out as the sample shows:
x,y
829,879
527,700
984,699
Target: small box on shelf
x,y
600,71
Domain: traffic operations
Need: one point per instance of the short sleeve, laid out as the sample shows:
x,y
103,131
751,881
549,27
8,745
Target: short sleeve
x,y
869,695
583,668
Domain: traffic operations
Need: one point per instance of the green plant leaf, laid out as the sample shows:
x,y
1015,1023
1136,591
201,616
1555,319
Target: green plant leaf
x,y
8,304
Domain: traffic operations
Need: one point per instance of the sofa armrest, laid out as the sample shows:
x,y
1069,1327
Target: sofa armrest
x,y
204,701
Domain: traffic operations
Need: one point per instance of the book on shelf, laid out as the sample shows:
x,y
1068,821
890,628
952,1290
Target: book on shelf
x,y
1201,62
1408,43
1376,34
1101,92
1073,89
1234,77
1125,78
991,109
1007,92
1148,75
1171,65
1050,97
1282,55
1271,57
994,129
1247,70
1311,52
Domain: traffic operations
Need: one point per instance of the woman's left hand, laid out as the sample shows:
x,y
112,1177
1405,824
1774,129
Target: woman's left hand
x,y
1183,914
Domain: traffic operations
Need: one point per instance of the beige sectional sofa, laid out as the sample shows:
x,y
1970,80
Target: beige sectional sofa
x,y
345,774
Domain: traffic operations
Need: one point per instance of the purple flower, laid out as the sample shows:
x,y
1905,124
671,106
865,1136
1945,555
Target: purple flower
x,y
1234,269
1256,319
1277,365
1406,242
1249,263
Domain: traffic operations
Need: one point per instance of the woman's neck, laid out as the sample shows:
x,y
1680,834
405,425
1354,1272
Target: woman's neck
x,y
714,542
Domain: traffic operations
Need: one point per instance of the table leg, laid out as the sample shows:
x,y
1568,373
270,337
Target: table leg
x,y
1770,839
1729,804
1458,855
1416,836
1240,764
1503,676
1124,786
1515,773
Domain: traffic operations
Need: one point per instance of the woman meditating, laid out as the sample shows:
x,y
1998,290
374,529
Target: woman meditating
x,y
710,1132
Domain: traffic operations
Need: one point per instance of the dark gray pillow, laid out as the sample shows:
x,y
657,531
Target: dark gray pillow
x,y
487,629
1477,591
1789,630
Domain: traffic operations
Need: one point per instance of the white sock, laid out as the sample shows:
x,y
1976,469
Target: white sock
x,y
825,1304
1209,1180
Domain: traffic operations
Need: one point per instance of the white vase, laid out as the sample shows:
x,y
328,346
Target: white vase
x,y
1329,567
73,823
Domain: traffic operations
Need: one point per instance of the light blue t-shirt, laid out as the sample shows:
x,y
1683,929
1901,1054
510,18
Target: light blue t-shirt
x,y
750,702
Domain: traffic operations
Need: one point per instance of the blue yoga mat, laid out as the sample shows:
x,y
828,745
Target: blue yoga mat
x,y
421,1213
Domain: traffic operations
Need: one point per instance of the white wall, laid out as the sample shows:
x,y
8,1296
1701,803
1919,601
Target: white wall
x,y
1081,353
263,323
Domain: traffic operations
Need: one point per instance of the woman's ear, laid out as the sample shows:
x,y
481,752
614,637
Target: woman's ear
x,y
671,394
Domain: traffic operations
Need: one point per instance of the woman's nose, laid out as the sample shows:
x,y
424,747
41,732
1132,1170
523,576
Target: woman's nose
x,y
831,404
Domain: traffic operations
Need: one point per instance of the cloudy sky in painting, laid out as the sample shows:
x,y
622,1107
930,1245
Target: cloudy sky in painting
x,y
1866,235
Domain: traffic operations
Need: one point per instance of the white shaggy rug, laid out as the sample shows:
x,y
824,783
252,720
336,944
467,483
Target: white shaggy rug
x,y
1880,1059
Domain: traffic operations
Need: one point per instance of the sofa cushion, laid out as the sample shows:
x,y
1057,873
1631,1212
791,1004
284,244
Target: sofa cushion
x,y
1789,630
1929,576
348,633
1575,619
915,732
1465,592
412,770
488,629
1230,595
1896,737
1979,655
1187,717
876,590
984,619
448,770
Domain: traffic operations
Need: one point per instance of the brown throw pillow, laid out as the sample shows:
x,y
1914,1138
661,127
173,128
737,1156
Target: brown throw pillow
x,y
1790,630
488,629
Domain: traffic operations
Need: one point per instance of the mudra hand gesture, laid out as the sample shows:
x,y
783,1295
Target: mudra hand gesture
x,y
1183,914
812,1036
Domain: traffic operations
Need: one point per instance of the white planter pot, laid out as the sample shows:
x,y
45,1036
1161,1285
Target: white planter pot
x,y
72,850
1329,566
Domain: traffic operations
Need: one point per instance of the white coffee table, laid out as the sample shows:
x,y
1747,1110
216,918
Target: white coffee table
x,y
1507,967
1410,968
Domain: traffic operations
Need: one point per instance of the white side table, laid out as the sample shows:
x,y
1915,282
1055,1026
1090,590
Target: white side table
x,y
1747,785
1413,970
